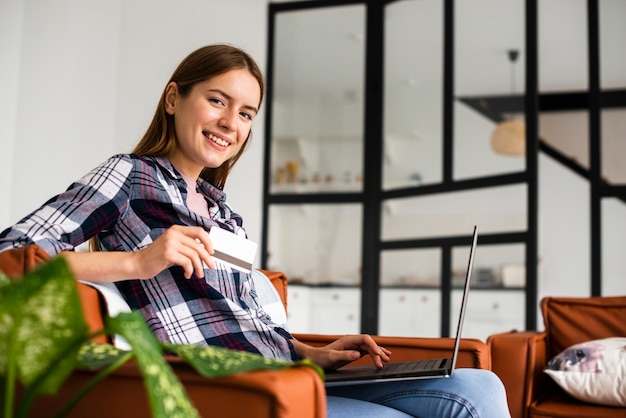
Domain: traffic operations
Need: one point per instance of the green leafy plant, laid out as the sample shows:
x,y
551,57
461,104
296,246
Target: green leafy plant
x,y
44,337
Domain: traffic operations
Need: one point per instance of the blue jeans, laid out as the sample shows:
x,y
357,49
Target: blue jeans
x,y
468,393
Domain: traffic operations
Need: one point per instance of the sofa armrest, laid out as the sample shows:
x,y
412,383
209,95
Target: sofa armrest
x,y
519,358
472,352
290,393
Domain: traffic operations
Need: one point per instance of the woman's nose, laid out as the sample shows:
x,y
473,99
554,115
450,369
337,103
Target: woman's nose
x,y
228,120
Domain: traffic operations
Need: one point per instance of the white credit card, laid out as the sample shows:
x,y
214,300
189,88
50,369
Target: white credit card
x,y
236,251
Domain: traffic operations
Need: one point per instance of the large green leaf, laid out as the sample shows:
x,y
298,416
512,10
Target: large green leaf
x,y
167,396
3,279
94,356
41,326
211,361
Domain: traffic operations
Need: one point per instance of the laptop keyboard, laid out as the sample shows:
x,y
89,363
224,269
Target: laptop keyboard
x,y
410,366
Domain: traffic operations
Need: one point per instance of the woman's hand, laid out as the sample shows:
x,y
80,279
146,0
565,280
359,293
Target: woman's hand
x,y
185,246
343,351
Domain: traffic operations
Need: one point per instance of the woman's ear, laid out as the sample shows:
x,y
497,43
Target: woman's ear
x,y
171,97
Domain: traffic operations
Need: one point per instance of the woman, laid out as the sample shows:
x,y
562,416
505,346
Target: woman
x,y
149,212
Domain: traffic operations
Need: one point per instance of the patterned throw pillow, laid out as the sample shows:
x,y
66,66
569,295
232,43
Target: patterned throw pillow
x,y
593,371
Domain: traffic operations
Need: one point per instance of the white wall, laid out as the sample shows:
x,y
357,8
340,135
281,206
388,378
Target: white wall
x,y
10,45
82,79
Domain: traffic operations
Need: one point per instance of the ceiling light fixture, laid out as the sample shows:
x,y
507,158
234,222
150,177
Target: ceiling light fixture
x,y
509,136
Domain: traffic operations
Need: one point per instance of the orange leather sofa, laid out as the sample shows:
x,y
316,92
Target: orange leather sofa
x,y
519,358
296,392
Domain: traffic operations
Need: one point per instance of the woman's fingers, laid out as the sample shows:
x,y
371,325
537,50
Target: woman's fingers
x,y
353,347
184,246
197,249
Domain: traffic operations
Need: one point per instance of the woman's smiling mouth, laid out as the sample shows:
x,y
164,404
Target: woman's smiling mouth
x,y
217,140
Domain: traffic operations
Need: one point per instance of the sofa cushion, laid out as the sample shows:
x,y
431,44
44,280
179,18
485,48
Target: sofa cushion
x,y
570,321
593,371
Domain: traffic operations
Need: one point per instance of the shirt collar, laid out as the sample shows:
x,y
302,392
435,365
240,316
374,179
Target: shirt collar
x,y
205,187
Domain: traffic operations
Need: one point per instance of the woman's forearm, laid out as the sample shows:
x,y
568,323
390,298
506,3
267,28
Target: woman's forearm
x,y
101,266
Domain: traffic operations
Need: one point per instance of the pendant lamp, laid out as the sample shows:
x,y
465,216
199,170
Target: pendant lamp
x,y
509,136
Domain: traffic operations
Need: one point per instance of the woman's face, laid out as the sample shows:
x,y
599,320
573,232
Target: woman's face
x,y
213,121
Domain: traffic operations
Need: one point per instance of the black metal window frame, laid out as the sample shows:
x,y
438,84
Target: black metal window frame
x,y
373,195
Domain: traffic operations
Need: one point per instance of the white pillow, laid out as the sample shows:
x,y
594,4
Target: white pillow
x,y
270,299
594,371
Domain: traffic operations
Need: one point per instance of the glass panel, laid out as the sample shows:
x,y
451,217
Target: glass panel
x,y
613,260
614,146
489,312
567,132
612,35
494,209
489,86
563,45
564,208
495,266
317,102
413,93
613,76
316,243
414,267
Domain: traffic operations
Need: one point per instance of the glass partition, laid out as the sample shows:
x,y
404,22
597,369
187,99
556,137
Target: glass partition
x,y
613,126
612,35
613,77
567,70
495,266
412,267
613,145
316,243
317,111
413,103
489,68
613,260
568,132
494,209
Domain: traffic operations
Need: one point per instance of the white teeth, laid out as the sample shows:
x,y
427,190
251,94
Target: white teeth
x,y
217,140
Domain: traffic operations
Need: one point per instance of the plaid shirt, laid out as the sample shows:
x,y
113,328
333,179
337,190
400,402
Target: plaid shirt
x,y
128,202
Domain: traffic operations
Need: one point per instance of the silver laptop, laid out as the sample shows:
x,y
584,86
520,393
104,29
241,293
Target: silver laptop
x,y
409,370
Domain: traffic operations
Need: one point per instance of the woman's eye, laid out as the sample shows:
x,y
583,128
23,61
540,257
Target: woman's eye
x,y
215,100
246,115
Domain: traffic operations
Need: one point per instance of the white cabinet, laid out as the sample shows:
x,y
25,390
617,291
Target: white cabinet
x,y
488,312
335,311
298,308
410,312
404,312
324,310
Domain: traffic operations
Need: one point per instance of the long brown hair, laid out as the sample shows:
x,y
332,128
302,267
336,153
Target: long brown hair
x,y
199,66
